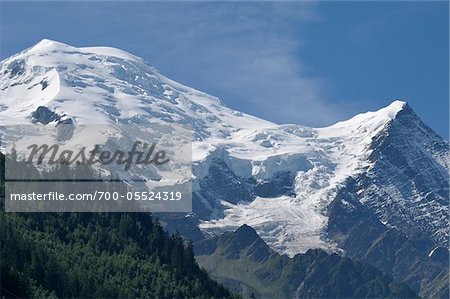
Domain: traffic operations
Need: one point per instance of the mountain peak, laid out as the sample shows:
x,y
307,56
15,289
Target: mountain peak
x,y
107,85
47,41
246,232
394,107
244,241
368,123
48,44
391,111
382,115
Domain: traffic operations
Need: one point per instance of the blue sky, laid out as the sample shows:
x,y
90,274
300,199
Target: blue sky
x,y
311,63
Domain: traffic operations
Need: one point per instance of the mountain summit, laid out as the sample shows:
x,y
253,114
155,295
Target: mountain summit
x,y
106,85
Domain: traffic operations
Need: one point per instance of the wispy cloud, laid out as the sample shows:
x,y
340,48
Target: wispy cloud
x,y
247,53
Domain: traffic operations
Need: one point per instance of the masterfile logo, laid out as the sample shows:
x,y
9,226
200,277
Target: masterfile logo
x,y
144,156
98,168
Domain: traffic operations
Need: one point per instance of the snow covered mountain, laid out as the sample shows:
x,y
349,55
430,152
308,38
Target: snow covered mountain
x,y
279,179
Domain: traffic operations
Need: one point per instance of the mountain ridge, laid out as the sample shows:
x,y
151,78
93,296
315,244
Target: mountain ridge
x,y
48,46
251,268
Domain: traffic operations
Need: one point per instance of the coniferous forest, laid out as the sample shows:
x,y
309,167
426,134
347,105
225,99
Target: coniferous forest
x,y
101,255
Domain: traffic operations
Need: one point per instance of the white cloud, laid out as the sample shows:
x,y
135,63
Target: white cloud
x,y
248,53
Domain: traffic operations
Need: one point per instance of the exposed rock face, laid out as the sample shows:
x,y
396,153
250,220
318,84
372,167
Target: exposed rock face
x,y
407,186
362,236
396,212
44,115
